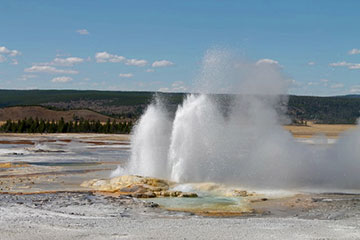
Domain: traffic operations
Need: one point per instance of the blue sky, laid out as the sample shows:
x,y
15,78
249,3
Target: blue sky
x,y
158,45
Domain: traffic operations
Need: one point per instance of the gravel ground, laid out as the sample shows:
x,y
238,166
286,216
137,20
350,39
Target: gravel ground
x,y
75,215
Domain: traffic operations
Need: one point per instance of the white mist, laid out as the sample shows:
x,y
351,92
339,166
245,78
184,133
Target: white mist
x,y
246,146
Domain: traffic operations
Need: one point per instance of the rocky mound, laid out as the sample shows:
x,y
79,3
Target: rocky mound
x,y
136,186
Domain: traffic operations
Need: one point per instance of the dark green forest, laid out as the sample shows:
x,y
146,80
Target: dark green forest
x,y
333,110
82,126
329,110
119,98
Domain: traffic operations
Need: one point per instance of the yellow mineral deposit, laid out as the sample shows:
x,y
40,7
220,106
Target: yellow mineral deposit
x,y
136,186
12,165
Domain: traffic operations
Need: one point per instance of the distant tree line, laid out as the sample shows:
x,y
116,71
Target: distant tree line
x,y
77,126
130,105
329,110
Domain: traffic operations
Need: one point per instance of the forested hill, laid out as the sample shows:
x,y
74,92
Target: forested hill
x,y
340,109
130,105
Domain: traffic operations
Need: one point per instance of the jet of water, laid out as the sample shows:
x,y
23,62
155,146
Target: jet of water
x,y
244,144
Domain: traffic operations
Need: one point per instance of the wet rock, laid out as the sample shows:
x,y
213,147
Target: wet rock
x,y
163,194
188,195
134,189
174,193
144,195
150,194
258,200
240,193
151,204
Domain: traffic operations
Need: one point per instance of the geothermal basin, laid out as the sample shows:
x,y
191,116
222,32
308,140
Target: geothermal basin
x,y
41,178
64,162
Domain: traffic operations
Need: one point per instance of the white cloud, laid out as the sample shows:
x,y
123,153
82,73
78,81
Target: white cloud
x,y
267,61
26,77
11,53
164,89
340,64
150,70
355,66
354,51
2,59
70,61
4,50
62,79
126,75
49,69
311,63
337,85
102,57
136,62
177,86
83,32
355,89
293,83
346,64
14,53
312,83
162,63
324,82
62,54
8,53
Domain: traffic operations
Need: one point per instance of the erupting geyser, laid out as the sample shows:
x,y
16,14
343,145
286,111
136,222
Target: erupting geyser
x,y
243,144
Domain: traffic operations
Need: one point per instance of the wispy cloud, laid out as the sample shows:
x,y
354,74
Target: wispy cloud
x,y
267,61
126,75
312,83
11,53
83,32
340,64
150,70
324,82
70,61
136,62
311,63
65,62
6,53
14,62
49,69
354,51
346,64
355,89
102,57
293,83
162,63
355,66
2,59
337,85
177,86
26,77
63,79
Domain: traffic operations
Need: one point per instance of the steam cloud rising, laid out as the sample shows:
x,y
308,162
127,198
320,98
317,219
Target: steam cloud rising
x,y
244,144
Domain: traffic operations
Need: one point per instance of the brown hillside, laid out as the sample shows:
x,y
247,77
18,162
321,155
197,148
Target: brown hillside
x,y
19,113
